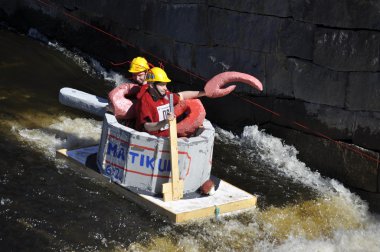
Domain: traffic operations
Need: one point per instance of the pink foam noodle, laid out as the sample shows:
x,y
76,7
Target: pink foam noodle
x,y
196,114
214,88
122,100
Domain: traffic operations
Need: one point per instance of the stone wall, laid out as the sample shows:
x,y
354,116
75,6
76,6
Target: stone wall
x,y
318,61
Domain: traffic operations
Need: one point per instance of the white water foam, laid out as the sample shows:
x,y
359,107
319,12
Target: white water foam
x,y
111,75
5,201
283,159
366,240
63,133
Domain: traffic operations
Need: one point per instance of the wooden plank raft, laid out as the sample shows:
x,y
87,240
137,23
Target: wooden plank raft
x,y
226,200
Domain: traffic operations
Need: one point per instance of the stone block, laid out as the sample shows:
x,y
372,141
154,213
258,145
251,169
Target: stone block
x,y
345,50
183,55
297,39
262,108
348,14
209,61
333,122
363,91
9,7
302,10
3,15
187,1
158,49
265,7
243,30
316,84
314,119
360,168
233,113
278,77
127,13
367,130
180,22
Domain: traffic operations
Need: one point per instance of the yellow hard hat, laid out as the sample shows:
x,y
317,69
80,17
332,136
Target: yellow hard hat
x,y
157,74
138,64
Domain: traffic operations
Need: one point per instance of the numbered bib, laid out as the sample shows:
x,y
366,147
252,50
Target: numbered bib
x,y
163,112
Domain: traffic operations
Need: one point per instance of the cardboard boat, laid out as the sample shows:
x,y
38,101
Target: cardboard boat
x,y
140,163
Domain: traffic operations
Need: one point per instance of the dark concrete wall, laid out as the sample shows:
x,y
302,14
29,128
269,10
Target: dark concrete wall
x,y
318,61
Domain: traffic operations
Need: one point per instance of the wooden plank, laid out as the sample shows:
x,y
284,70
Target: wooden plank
x,y
177,193
227,199
211,211
167,187
176,185
62,152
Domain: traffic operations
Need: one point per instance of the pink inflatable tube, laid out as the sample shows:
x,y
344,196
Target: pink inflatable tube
x,y
214,87
122,100
195,114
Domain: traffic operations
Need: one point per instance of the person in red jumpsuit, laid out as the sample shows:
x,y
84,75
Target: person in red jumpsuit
x,y
138,68
153,112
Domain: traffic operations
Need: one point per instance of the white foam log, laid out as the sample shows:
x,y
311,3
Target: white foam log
x,y
84,101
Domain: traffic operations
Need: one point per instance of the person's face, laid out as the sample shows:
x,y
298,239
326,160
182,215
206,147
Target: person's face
x,y
161,87
139,77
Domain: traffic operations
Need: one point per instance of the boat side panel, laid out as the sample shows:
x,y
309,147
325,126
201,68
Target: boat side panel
x,y
140,160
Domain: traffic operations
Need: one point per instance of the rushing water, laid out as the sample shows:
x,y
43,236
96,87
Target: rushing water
x,y
48,204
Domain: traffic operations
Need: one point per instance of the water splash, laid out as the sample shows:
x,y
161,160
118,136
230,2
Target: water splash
x,y
342,240
90,66
64,132
111,76
283,158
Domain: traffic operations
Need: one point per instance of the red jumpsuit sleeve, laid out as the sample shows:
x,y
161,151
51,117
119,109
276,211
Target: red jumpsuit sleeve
x,y
176,98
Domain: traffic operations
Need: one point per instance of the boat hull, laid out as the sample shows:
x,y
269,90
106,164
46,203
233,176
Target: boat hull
x,y
137,159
